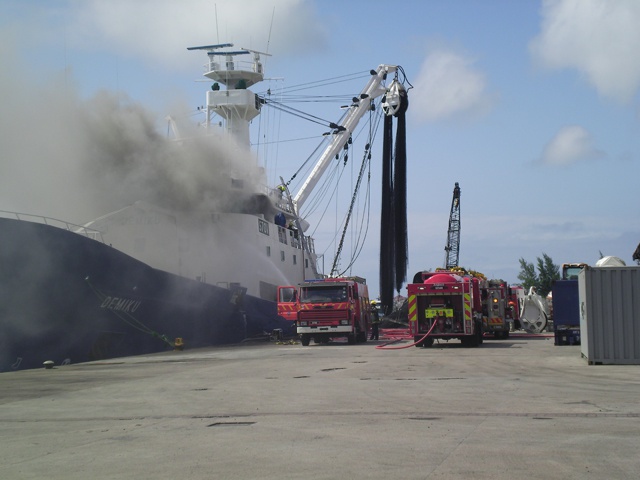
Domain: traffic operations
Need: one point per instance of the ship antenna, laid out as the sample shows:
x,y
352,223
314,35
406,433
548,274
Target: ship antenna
x,y
215,9
273,14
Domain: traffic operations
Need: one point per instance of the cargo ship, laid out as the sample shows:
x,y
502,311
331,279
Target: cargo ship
x,y
149,277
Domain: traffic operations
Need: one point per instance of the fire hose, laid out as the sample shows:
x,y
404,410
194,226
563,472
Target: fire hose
x,y
386,346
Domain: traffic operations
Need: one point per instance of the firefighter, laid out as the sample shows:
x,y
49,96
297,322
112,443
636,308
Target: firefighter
x,y
375,320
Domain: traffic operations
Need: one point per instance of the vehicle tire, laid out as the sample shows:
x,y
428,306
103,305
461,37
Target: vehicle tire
x,y
305,339
472,341
427,342
351,339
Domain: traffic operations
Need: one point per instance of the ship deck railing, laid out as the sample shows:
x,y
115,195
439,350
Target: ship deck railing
x,y
55,222
233,65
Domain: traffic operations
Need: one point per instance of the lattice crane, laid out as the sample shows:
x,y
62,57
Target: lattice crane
x,y
452,249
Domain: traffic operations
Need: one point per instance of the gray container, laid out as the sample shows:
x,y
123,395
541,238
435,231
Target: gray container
x,y
610,315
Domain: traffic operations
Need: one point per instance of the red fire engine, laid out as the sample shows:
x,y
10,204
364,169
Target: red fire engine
x,y
445,305
288,303
516,299
328,308
497,314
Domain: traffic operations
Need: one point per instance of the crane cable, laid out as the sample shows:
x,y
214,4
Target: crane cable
x,y
363,165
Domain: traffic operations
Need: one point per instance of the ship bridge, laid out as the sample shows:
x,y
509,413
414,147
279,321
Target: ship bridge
x,y
237,105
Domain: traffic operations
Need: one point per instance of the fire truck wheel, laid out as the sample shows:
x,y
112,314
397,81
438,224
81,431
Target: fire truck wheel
x,y
426,343
305,339
351,339
472,341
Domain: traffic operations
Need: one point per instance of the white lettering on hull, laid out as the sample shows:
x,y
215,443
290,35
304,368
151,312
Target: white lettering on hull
x,y
126,305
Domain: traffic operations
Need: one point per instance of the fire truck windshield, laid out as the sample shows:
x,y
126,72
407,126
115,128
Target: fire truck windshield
x,y
321,294
570,271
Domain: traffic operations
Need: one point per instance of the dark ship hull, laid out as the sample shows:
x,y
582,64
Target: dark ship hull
x,y
68,298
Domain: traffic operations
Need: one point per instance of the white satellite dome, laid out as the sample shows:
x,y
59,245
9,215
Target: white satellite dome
x,y
610,262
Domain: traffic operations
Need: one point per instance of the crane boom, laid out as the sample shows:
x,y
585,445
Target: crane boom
x,y
341,134
452,249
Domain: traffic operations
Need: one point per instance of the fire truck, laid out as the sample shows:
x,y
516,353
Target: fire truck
x,y
328,308
288,303
516,300
497,313
445,305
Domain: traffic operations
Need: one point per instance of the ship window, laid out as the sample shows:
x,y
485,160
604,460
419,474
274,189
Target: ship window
x,y
282,255
263,227
306,263
282,235
268,251
295,260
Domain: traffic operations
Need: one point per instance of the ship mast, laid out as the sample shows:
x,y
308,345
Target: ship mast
x,y
236,104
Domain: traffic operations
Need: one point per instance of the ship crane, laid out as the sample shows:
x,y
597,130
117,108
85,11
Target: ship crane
x,y
238,106
343,131
452,249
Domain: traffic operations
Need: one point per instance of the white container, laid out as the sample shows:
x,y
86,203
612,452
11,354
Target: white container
x,y
610,315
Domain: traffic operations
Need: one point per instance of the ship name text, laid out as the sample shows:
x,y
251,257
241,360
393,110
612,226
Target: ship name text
x,y
120,304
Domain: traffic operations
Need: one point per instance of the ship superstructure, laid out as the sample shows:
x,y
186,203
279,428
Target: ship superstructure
x,y
249,245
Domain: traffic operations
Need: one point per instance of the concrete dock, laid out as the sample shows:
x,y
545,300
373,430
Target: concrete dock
x,y
519,408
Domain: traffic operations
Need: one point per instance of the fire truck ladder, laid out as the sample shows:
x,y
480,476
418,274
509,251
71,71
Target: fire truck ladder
x,y
452,249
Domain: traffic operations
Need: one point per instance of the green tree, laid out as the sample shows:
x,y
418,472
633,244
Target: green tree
x,y
527,274
548,272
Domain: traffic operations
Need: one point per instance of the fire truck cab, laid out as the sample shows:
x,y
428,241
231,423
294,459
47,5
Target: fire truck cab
x,y
288,303
331,308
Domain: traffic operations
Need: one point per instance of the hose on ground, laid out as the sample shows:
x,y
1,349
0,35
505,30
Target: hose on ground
x,y
386,346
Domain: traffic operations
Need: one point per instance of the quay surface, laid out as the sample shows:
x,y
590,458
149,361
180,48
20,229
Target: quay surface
x,y
520,408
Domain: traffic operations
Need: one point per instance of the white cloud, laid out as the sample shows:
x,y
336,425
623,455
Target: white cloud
x,y
448,86
570,145
599,38
160,30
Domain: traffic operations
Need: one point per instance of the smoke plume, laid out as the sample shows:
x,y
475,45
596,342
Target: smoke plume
x,y
76,159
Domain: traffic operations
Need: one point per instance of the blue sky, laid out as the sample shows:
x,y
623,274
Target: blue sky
x,y
531,106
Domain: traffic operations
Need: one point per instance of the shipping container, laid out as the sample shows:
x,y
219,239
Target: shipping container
x,y
610,315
